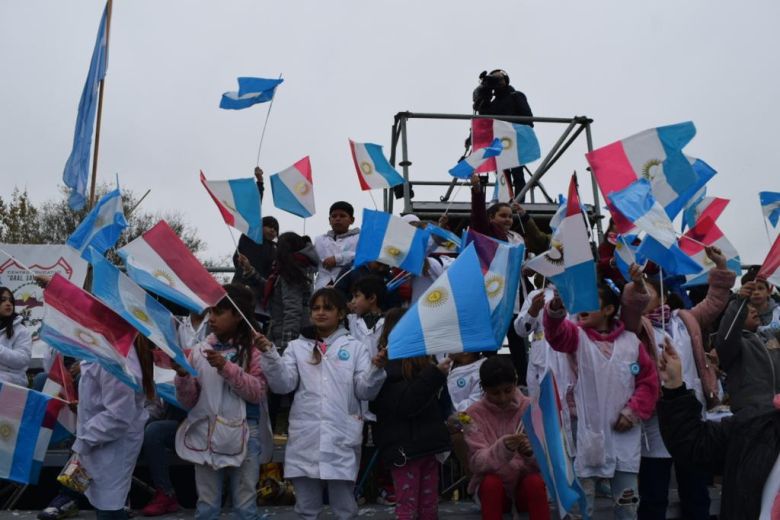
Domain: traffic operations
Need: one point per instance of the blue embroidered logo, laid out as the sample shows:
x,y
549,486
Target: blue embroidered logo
x,y
343,355
461,382
634,368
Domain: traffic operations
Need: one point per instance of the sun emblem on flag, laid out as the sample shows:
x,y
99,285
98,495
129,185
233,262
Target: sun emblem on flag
x,y
366,168
494,285
649,169
449,245
555,254
302,188
436,298
140,314
393,251
164,277
6,431
506,143
86,337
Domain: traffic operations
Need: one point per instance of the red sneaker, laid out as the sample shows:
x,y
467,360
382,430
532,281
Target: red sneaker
x,y
161,504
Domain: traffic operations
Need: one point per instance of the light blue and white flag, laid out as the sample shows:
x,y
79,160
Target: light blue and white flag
x,y
465,168
626,254
518,143
442,241
126,298
392,241
22,413
102,226
77,167
238,201
373,169
251,91
638,205
770,206
559,215
694,194
293,189
448,317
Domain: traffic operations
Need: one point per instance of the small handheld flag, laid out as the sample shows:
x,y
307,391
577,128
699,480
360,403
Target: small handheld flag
x,y
519,144
706,233
293,189
770,206
251,91
770,269
238,201
102,226
24,441
706,207
465,168
392,241
637,204
373,169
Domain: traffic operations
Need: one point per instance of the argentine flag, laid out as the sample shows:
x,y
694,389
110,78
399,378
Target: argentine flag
x,y
293,189
770,206
465,168
250,92
451,316
519,144
707,232
373,169
392,241
123,296
238,201
102,226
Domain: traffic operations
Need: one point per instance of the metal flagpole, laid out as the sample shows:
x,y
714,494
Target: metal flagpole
x,y
101,87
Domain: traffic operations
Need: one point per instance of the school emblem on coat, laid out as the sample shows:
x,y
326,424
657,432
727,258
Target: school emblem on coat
x,y
634,368
302,188
140,314
436,298
343,355
650,169
506,143
461,382
393,251
494,285
366,168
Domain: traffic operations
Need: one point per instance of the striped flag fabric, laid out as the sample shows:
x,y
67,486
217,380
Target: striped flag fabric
x,y
22,412
637,203
59,384
502,190
708,233
655,155
626,254
78,325
479,156
696,192
450,316
770,269
373,169
251,91
443,241
770,206
126,298
519,144
159,262
544,427
569,263
500,262
391,240
102,226
293,189
709,207
238,201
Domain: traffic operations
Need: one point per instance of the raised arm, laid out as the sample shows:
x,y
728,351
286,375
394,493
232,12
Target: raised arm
x,y
560,333
721,280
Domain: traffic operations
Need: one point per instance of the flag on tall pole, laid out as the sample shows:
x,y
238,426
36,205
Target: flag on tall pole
x,y
102,226
251,91
77,167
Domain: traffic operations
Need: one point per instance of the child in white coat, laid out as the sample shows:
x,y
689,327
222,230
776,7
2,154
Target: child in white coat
x,y
15,342
331,373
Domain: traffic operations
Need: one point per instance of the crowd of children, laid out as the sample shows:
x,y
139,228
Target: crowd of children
x,y
302,325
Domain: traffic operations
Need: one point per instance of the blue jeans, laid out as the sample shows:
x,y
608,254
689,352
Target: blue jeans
x,y
159,439
242,481
624,493
119,514
654,476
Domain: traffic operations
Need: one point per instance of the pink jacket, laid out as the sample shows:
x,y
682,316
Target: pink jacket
x,y
485,436
700,317
251,386
563,336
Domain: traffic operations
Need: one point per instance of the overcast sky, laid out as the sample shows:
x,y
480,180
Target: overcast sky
x,y
349,66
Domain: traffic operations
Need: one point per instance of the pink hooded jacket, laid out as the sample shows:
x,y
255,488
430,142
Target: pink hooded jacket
x,y
485,435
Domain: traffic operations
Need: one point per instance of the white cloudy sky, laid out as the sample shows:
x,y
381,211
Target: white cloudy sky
x,y
351,65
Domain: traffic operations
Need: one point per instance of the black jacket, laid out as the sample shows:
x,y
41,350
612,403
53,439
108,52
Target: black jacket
x,y
742,450
508,102
409,421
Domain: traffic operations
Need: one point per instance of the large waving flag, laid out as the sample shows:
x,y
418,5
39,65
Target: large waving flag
x,y
22,446
238,201
519,145
706,207
102,226
293,189
544,427
500,263
59,384
77,167
251,91
78,325
655,155
159,262
465,168
770,269
392,241
770,206
448,317
123,296
373,169
706,233
569,262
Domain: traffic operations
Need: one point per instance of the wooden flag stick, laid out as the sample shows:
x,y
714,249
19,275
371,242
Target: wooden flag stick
x,y
101,87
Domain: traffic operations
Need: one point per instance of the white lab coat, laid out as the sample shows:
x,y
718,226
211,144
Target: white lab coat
x,y
463,385
15,354
341,247
110,432
326,425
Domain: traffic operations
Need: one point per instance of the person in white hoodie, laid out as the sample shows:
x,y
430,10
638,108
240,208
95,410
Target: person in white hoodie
x,y
336,248
15,342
